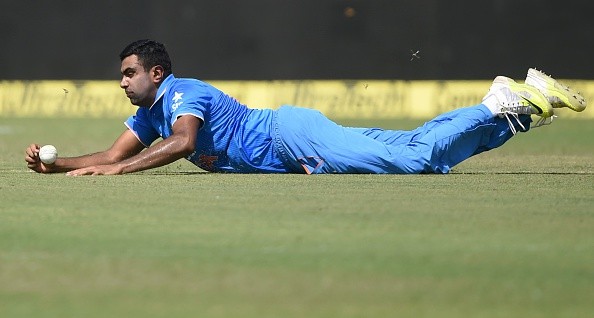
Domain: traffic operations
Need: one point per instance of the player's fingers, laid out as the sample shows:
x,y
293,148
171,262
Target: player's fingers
x,y
90,171
31,159
32,151
80,172
74,173
35,148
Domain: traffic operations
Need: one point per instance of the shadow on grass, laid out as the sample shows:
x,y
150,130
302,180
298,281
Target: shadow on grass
x,y
188,173
525,172
173,173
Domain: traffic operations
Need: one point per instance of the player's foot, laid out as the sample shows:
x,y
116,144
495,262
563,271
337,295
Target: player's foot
x,y
556,93
506,98
521,98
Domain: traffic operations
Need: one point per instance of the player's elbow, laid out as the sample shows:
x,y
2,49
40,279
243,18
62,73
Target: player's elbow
x,y
112,156
186,147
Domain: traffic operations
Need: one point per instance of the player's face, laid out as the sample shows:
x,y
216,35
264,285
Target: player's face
x,y
140,86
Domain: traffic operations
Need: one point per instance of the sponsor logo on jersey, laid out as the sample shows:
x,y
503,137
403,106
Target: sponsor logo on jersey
x,y
177,100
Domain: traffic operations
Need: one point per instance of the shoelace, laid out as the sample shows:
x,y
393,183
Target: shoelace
x,y
543,121
513,110
507,114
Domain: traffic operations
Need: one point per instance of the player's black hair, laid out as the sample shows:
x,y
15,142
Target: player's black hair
x,y
150,53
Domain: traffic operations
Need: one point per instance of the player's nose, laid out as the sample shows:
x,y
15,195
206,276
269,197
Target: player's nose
x,y
123,82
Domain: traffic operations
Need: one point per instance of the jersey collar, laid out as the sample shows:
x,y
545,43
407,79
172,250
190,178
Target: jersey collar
x,y
163,88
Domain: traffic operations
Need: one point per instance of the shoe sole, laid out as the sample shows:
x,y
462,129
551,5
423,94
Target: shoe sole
x,y
558,94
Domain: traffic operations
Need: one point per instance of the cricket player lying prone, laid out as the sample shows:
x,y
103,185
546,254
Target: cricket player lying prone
x,y
217,133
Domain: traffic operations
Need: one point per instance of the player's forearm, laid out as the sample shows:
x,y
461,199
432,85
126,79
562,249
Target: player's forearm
x,y
73,163
163,153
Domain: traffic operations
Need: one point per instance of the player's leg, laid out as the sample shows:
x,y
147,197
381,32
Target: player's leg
x,y
506,109
512,103
317,145
474,131
311,143
402,137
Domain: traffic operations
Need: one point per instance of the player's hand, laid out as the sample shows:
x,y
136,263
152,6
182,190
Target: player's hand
x,y
33,161
96,170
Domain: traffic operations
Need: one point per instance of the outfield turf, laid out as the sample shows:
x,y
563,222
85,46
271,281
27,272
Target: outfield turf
x,y
509,233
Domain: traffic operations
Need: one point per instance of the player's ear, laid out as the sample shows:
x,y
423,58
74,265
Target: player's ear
x,y
157,73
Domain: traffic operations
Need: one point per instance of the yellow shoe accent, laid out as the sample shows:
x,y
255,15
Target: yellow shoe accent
x,y
556,93
522,95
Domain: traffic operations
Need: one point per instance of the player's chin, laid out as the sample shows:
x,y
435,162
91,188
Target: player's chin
x,y
133,98
138,102
134,101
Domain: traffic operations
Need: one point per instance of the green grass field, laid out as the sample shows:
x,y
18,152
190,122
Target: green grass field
x,y
509,233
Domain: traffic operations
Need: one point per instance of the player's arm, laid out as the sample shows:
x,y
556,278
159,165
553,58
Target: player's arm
x,y
125,146
180,144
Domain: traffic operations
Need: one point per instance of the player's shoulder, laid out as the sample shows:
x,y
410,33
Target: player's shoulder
x,y
190,88
190,84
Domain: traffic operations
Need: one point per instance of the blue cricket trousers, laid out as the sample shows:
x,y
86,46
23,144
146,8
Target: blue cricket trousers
x,y
308,142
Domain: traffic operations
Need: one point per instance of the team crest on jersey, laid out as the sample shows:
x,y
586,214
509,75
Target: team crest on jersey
x,y
177,100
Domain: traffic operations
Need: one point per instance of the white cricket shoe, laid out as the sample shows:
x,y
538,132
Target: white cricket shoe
x,y
513,99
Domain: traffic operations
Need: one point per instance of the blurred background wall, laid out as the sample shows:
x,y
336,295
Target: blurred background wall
x,y
301,39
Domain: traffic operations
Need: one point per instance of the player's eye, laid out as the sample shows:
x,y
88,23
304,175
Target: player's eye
x,y
128,72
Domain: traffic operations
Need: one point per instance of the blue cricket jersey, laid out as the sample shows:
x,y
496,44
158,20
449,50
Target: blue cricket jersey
x,y
233,137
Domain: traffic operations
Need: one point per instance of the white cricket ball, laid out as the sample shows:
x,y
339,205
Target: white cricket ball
x,y
48,154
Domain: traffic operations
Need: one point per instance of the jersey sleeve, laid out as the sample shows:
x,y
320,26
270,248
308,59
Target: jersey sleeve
x,y
140,125
189,99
